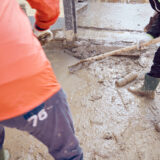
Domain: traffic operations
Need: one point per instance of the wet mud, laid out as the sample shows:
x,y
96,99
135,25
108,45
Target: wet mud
x,y
110,122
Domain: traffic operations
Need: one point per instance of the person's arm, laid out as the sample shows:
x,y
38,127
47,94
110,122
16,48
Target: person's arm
x,y
152,28
155,4
47,12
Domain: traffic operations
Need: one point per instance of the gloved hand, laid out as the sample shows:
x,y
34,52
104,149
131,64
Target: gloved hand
x,y
153,21
144,38
43,36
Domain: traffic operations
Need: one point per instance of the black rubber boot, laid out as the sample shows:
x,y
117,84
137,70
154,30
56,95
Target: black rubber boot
x,y
148,88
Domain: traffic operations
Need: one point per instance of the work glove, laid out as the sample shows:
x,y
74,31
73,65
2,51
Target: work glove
x,y
153,28
153,21
44,36
144,38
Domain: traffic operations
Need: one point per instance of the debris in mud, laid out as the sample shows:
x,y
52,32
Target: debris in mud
x,y
83,49
113,99
95,97
143,61
108,136
96,122
118,52
102,155
115,137
78,66
127,79
101,82
122,100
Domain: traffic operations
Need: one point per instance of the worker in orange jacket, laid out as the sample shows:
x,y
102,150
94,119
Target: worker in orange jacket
x,y
31,99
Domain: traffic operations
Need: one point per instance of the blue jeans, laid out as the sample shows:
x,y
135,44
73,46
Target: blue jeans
x,y
51,123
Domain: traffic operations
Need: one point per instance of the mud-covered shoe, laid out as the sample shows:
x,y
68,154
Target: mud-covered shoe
x,y
141,92
4,154
148,88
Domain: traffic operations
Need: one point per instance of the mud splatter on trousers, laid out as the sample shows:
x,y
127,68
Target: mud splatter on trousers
x,y
51,123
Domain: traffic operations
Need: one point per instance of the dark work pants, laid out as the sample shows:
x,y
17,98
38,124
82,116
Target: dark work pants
x,y
155,4
155,32
51,123
154,24
155,69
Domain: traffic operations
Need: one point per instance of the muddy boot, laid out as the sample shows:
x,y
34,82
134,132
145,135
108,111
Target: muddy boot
x,y
148,88
1,154
4,154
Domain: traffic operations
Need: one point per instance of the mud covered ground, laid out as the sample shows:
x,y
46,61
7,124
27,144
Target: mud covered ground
x,y
110,123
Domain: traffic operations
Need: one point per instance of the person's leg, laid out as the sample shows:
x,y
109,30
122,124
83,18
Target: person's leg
x,y
151,81
51,123
1,142
2,135
154,23
155,69
155,4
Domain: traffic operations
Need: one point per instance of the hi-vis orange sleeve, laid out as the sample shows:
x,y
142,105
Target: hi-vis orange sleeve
x,y
47,12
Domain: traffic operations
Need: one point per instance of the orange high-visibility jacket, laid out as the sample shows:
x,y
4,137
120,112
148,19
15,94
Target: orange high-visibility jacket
x,y
47,12
26,76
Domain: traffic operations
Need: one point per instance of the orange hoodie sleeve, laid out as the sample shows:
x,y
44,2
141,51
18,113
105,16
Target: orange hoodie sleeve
x,y
47,12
